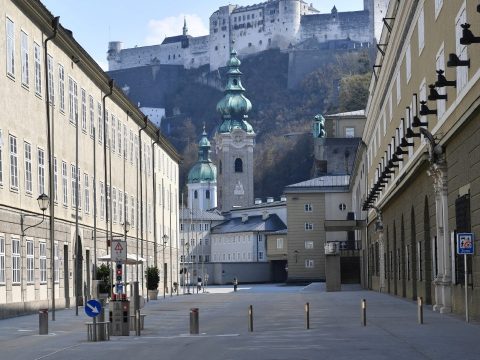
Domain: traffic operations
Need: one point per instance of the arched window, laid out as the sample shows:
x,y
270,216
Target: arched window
x,y
238,165
195,194
207,194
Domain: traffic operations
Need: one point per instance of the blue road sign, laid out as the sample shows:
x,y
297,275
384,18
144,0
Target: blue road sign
x,y
465,243
93,308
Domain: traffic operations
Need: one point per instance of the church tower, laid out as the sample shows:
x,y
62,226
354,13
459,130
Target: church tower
x,y
202,179
235,141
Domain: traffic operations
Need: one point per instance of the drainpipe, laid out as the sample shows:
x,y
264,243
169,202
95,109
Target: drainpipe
x,y
154,179
50,148
110,85
145,119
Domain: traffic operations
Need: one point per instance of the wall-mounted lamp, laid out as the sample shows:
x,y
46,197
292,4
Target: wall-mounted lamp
x,y
467,36
424,110
410,134
405,143
400,151
442,81
417,123
387,25
382,51
434,95
454,61
75,59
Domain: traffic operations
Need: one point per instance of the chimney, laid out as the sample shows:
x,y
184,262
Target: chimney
x,y
258,201
244,218
265,215
269,200
283,198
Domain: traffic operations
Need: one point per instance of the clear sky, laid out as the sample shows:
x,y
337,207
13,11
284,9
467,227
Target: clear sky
x,y
145,22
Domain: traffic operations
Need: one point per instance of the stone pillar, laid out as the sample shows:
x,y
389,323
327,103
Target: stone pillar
x,y
381,250
443,281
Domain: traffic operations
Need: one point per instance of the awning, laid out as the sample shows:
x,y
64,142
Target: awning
x,y
131,259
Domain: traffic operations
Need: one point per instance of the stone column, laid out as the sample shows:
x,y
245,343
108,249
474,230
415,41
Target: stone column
x,y
443,281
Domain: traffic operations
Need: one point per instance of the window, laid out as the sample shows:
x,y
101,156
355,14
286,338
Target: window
x,y
51,89
132,216
238,165
61,87
64,183
25,74
107,134
440,65
207,227
10,48
15,261
55,179
421,31
120,207
87,193
37,52
195,194
461,51
280,243
2,259
114,205
309,264
399,90
41,171
100,123
308,244
114,134
43,262
119,136
308,226
408,63
72,100
308,208
349,132
74,185
28,167
260,255
125,198
13,162
84,110
91,109
30,262
1,157
438,7
131,147
56,263
207,194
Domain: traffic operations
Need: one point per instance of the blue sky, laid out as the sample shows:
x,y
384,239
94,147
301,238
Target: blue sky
x,y
144,22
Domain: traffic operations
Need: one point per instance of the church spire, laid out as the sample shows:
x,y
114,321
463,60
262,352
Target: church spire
x,y
185,28
234,106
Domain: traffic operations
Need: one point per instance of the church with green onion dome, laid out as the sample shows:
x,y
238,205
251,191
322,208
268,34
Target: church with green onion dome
x,y
235,142
202,178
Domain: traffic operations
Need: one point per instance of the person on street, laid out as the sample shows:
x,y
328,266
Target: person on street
x,y
235,284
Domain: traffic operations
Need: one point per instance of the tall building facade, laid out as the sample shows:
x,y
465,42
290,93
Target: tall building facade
x,y
126,171
202,179
422,156
234,142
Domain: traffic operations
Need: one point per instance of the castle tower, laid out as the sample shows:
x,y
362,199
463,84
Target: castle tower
x,y
235,141
185,28
290,12
202,179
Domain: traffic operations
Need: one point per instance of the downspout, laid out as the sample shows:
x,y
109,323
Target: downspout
x,y
50,150
154,179
145,119
110,85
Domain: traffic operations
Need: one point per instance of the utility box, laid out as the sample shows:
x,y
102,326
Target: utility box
x,y
120,318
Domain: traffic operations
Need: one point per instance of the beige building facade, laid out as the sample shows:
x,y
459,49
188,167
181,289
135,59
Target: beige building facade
x,y
35,268
422,154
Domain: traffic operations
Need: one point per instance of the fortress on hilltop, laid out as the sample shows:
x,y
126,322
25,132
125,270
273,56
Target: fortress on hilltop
x,y
282,24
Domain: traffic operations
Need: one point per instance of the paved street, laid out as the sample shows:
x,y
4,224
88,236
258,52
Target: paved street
x,y
279,333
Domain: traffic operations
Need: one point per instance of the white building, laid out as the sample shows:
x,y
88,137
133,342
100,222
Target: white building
x,y
66,94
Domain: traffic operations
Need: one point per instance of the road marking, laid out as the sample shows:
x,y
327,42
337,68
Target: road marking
x,y
57,351
24,330
203,335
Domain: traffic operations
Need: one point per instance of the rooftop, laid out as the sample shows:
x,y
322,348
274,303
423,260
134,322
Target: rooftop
x,y
253,223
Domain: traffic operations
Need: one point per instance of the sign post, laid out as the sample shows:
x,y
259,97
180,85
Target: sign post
x,y
465,247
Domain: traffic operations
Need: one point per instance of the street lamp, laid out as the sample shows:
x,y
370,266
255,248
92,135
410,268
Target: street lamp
x,y
164,245
43,202
188,278
126,228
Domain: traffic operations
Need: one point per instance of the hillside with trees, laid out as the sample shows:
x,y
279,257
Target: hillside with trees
x,y
280,117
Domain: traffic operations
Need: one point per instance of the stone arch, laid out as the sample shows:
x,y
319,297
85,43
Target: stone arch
x,y
238,165
78,264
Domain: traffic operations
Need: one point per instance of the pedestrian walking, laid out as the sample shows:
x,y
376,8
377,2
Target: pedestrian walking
x,y
235,284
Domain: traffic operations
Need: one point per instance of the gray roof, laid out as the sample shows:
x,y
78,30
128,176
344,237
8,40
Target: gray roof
x,y
348,113
322,182
197,214
254,223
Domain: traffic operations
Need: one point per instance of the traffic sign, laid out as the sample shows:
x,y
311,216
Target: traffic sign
x,y
119,250
93,308
465,243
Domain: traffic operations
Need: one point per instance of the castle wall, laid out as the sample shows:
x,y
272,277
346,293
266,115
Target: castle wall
x,y
353,25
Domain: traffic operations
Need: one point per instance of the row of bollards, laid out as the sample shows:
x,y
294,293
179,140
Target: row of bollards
x,y
194,312
419,311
